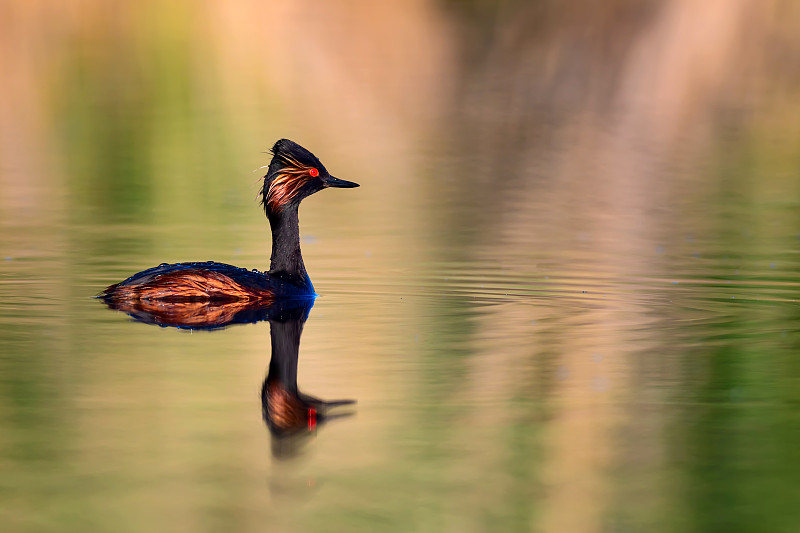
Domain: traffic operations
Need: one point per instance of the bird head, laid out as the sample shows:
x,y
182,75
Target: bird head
x,y
293,174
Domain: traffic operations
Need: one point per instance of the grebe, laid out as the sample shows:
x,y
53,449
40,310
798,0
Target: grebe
x,y
293,174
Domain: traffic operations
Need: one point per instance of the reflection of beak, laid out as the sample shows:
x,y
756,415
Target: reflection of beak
x,y
330,181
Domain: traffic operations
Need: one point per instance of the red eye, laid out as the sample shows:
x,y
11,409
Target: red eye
x,y
313,172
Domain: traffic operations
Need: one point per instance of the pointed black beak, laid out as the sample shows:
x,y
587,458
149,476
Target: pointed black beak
x,y
330,181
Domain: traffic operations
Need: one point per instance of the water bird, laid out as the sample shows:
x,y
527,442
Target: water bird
x,y
293,174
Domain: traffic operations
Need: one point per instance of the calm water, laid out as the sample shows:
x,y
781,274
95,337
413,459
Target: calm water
x,y
566,296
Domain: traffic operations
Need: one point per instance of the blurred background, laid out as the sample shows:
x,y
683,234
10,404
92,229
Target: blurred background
x,y
565,296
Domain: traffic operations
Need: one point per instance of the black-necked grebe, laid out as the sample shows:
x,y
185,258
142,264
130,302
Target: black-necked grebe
x,y
293,174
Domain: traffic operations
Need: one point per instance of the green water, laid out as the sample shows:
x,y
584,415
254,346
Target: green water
x,y
565,296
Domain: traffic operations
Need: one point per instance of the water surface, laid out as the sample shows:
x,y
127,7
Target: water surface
x,y
565,297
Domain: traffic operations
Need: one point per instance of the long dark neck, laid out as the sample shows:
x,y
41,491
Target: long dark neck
x,y
286,262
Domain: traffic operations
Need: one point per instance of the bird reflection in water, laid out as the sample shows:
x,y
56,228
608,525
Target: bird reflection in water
x,y
291,416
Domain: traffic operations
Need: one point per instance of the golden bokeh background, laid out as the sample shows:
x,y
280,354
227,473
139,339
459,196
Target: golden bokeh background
x,y
564,296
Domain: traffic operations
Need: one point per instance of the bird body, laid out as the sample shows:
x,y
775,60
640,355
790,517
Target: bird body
x,y
209,280
294,173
